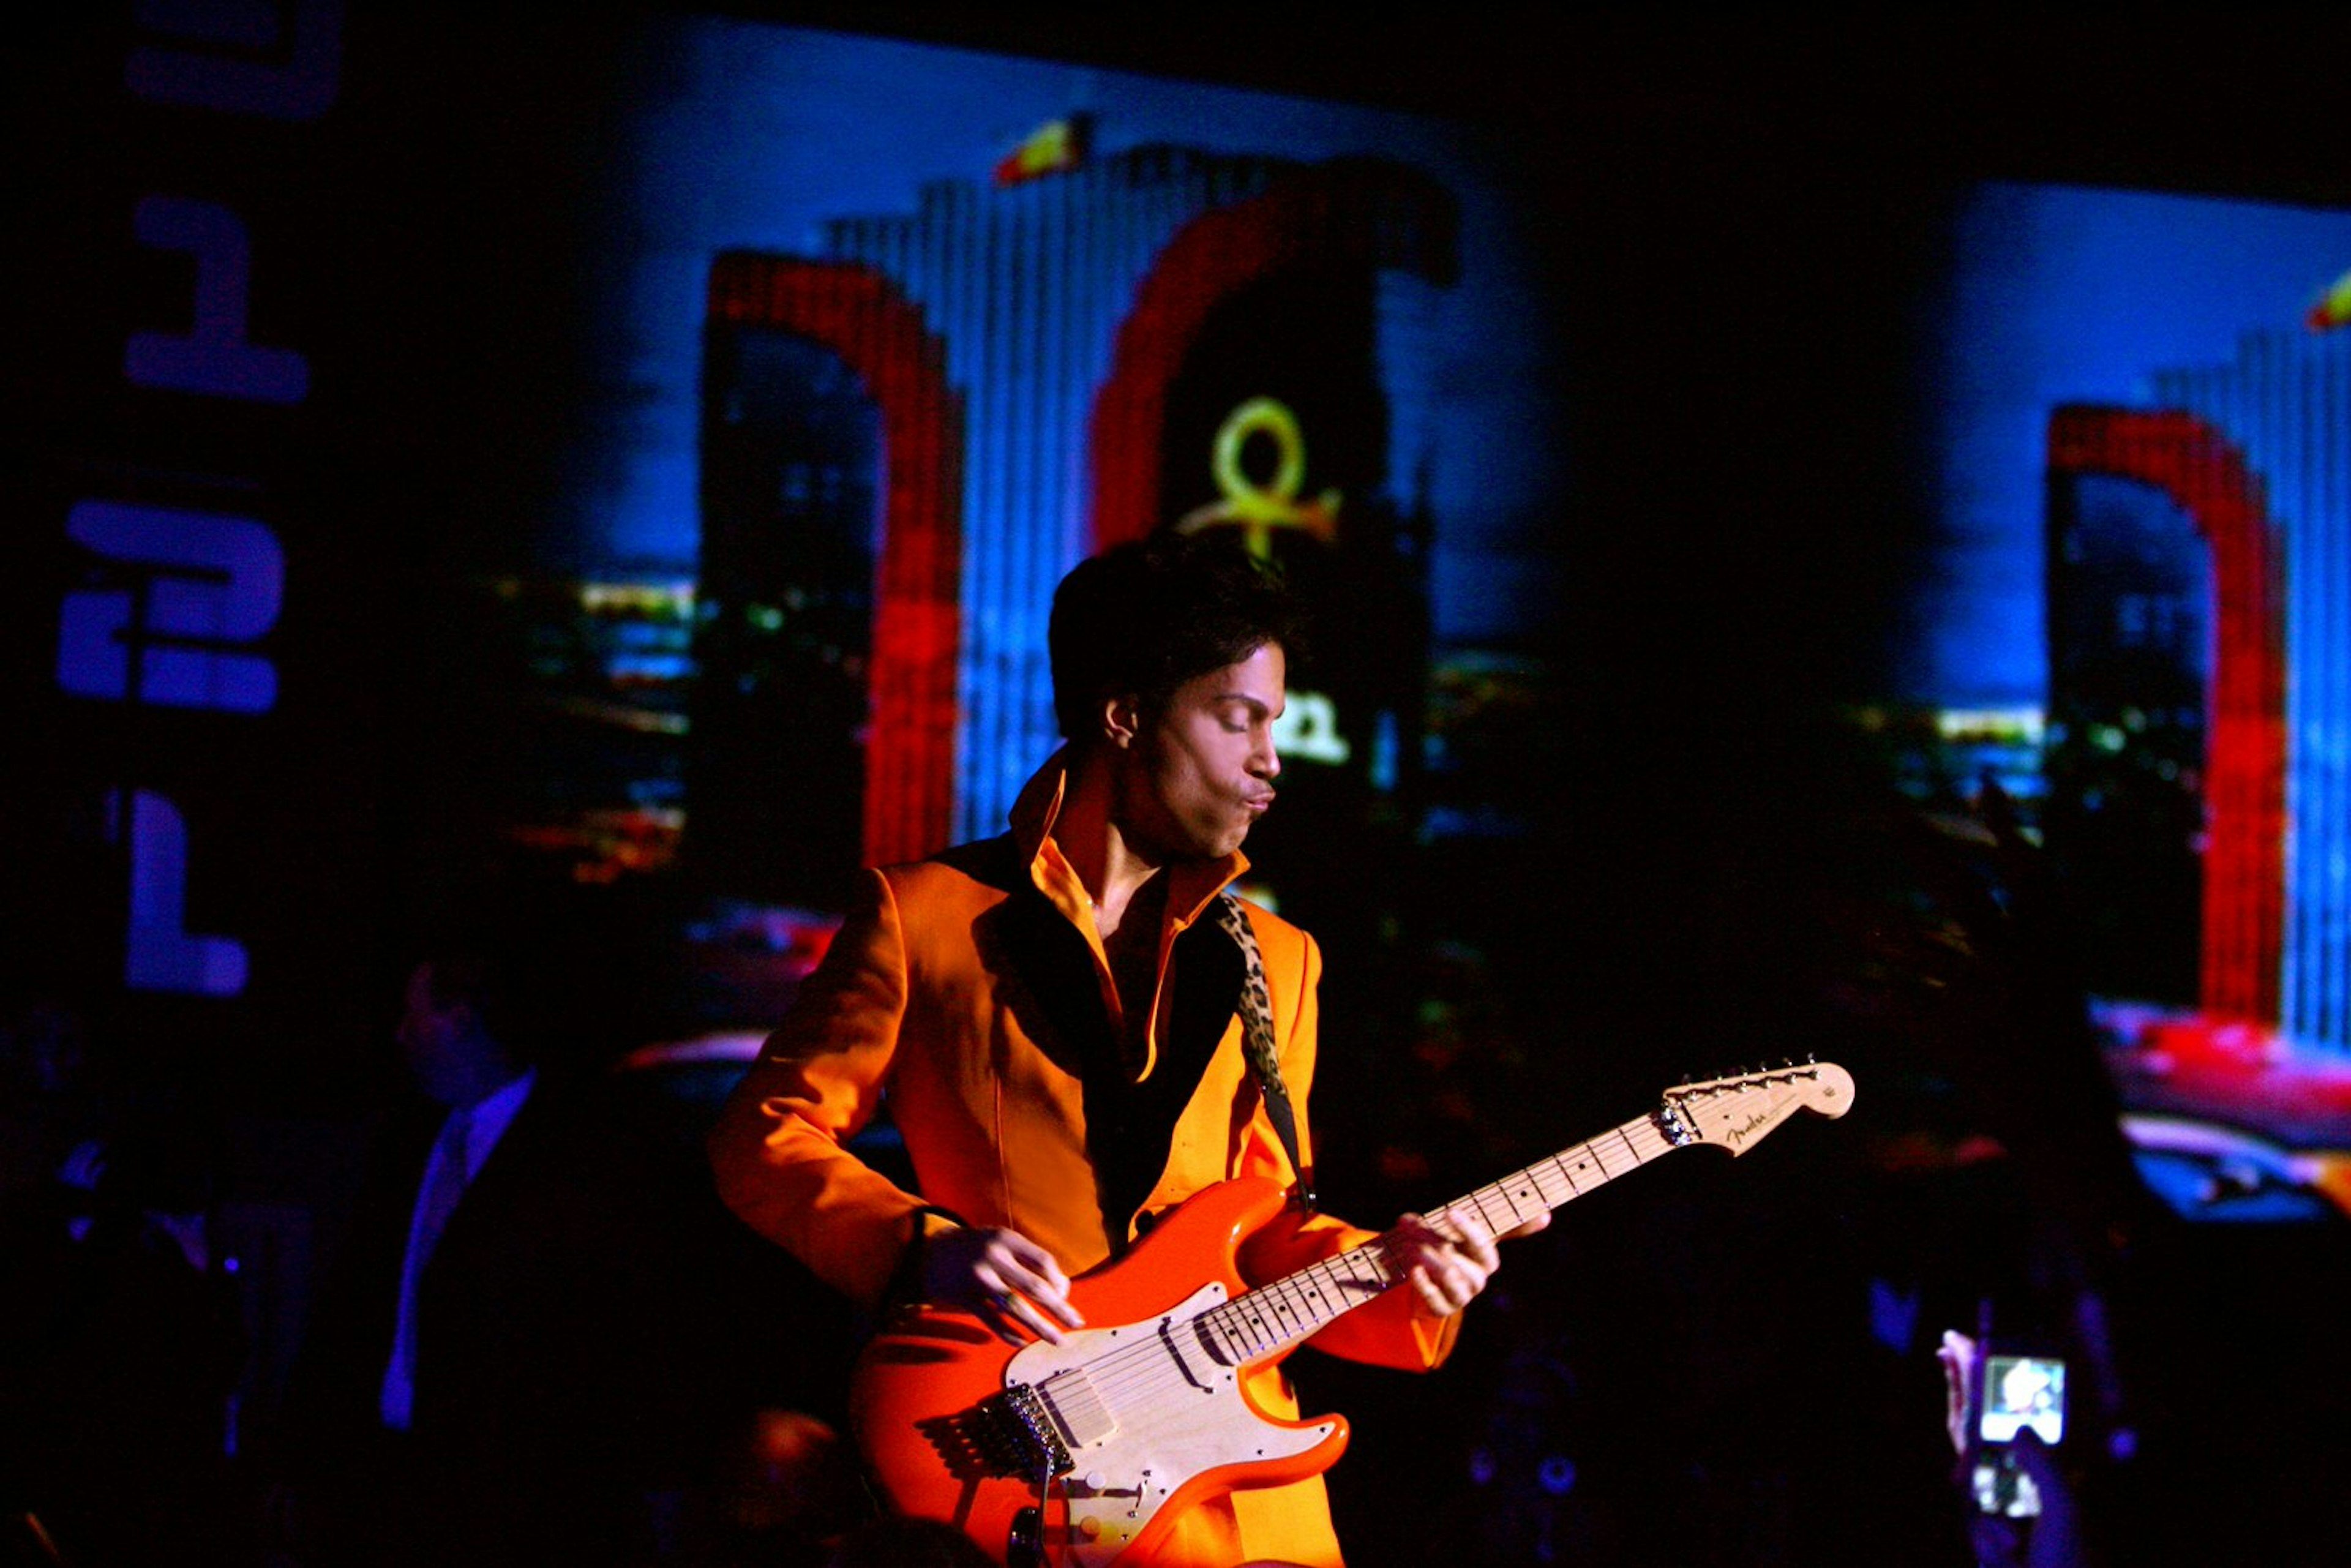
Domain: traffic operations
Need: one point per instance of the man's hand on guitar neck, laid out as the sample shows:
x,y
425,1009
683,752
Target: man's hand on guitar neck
x,y
1448,1257
1003,1279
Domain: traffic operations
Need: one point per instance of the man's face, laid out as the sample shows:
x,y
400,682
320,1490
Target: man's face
x,y
1201,769
438,1044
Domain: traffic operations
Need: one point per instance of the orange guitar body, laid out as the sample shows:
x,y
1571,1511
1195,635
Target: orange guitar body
x,y
1088,1452
1138,1417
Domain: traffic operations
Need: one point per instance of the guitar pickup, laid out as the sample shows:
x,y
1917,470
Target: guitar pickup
x,y
1078,1411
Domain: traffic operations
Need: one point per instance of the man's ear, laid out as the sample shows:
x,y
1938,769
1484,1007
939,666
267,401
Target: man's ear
x,y
1121,720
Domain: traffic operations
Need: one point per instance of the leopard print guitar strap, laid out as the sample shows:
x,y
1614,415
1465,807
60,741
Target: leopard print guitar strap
x,y
1257,1041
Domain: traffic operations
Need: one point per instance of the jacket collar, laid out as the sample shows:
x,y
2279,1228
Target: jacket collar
x,y
1192,884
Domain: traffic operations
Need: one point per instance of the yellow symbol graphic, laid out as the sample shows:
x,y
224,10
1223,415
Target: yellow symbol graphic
x,y
1260,509
1308,730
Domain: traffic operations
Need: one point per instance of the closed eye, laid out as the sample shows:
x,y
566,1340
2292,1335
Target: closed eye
x,y
1240,713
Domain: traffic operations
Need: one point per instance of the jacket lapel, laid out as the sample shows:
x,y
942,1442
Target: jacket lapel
x,y
1045,975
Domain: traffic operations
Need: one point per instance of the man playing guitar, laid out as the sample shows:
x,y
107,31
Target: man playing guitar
x,y
1059,1019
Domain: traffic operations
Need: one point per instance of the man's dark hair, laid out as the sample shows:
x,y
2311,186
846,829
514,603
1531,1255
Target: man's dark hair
x,y
1142,618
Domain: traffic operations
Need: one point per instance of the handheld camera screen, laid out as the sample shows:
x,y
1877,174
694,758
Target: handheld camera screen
x,y
2022,1391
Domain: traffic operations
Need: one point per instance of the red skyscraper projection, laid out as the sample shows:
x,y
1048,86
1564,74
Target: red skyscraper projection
x,y
909,669
2283,402
2244,770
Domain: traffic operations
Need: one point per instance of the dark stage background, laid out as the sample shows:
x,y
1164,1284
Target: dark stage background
x,y
428,577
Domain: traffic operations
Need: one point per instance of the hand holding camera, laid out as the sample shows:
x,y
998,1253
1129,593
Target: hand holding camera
x,y
2005,1414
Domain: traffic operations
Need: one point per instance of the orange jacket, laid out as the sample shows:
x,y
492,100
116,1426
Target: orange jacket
x,y
908,1001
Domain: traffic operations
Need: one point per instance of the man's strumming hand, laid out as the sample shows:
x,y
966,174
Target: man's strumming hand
x,y
1002,1278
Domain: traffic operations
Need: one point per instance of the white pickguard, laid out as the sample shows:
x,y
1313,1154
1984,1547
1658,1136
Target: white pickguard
x,y
1145,1407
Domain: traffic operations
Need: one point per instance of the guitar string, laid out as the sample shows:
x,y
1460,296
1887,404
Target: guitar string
x,y
1236,1334
1145,1369
1644,1139
1295,1303
1292,1301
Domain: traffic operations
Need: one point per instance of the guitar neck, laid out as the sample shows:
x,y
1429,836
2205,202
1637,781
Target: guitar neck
x,y
1275,1316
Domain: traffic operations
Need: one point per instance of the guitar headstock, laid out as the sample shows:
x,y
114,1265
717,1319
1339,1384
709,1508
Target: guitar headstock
x,y
1740,1111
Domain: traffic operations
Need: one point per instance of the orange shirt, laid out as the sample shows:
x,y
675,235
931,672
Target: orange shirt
x,y
913,1000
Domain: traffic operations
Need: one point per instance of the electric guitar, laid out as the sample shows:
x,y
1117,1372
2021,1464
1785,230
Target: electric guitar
x,y
1085,1453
